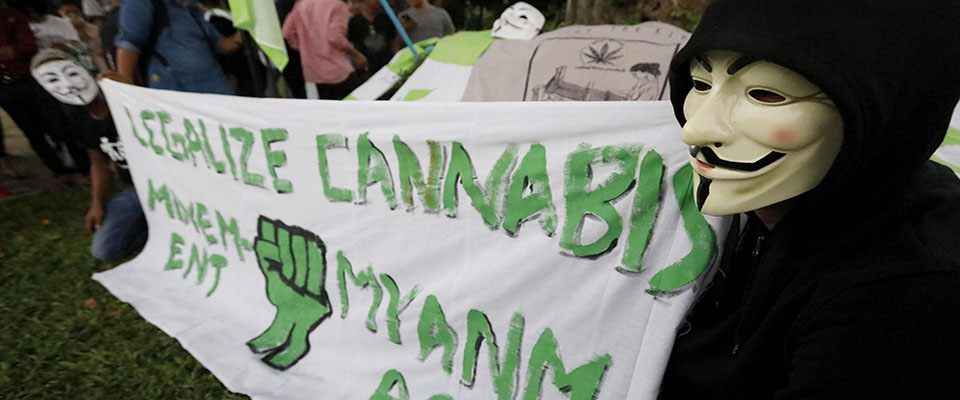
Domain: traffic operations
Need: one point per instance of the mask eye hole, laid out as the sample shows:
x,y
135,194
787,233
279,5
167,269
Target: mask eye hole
x,y
701,86
766,96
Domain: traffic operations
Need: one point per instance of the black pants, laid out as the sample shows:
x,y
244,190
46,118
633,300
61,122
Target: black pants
x,y
39,116
293,74
336,91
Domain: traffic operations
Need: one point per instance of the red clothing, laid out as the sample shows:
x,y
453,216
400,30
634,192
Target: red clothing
x,y
15,32
318,28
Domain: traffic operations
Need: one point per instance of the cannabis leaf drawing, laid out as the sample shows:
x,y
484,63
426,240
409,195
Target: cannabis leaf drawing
x,y
602,56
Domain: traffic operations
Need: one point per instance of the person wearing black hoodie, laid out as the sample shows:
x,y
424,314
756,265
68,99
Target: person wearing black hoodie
x,y
848,287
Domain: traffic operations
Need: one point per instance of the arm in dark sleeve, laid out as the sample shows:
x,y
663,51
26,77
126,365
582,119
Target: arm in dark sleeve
x,y
136,22
210,32
223,26
893,339
355,30
382,24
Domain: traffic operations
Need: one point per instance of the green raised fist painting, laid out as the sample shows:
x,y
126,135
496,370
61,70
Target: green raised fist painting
x,y
293,261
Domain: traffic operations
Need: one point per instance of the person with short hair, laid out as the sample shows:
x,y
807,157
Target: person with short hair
x,y
371,31
424,21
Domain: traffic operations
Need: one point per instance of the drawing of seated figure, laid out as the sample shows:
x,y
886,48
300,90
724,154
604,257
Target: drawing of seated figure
x,y
647,86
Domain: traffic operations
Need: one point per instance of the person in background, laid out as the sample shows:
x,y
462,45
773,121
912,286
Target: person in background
x,y
16,47
6,167
243,67
52,31
293,72
457,10
318,29
371,32
119,226
97,10
108,32
424,21
89,33
35,112
179,47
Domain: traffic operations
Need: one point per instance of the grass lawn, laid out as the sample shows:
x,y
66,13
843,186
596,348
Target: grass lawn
x,y
62,335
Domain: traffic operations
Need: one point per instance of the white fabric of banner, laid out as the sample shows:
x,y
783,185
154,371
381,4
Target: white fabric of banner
x,y
592,330
949,152
435,81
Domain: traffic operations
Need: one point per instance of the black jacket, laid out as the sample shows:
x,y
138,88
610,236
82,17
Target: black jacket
x,y
855,293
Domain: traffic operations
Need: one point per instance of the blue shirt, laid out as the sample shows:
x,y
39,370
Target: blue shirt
x,y
184,55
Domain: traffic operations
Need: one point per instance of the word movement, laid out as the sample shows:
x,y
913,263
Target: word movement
x,y
199,217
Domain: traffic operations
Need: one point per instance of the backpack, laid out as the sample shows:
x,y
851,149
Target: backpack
x,y
161,20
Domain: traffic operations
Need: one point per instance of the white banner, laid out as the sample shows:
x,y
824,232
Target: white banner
x,y
313,249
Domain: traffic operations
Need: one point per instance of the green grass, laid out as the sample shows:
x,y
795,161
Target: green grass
x,y
62,335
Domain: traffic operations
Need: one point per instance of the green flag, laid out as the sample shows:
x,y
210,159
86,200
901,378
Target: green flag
x,y
259,17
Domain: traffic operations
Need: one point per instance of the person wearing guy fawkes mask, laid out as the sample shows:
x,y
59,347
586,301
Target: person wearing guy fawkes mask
x,y
812,123
37,115
119,226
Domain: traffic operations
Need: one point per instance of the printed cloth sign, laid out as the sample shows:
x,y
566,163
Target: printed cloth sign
x,y
401,250
579,63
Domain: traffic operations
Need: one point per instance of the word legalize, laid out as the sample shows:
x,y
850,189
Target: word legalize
x,y
293,261
517,189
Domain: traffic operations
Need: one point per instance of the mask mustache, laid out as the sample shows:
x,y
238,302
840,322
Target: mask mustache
x,y
715,160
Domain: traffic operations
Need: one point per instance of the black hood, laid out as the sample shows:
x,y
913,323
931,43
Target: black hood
x,y
891,66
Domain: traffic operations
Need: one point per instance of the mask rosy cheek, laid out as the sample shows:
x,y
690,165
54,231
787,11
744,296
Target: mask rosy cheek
x,y
784,137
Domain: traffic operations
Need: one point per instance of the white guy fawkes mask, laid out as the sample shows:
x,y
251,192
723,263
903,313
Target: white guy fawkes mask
x,y
67,81
520,21
758,132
